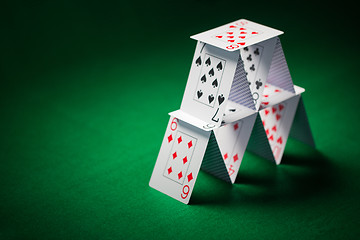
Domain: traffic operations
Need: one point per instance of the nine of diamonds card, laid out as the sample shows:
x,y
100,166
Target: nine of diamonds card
x,y
179,159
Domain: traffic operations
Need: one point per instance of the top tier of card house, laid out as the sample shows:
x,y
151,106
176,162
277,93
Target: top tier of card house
x,y
224,84
236,35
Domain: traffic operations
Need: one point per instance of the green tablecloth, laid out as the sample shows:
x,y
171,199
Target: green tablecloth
x,y
86,88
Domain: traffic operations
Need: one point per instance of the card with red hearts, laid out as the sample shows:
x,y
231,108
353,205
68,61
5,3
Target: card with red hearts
x,y
236,35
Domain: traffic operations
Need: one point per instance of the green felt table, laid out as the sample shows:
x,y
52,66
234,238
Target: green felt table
x,y
85,91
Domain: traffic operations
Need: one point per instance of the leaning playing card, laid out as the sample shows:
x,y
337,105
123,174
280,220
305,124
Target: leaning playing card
x,y
232,139
257,60
179,159
209,83
277,120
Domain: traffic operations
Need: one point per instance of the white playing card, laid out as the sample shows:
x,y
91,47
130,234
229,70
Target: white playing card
x,y
257,60
232,140
209,83
272,118
277,120
179,159
279,74
300,129
234,111
227,137
211,74
251,57
273,95
236,35
192,120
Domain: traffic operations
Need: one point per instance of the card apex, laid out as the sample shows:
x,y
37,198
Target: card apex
x,y
298,89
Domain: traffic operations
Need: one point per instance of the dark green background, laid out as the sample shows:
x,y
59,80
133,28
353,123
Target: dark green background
x,y
85,91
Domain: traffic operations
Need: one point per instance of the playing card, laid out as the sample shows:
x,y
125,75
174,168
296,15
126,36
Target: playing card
x,y
227,137
232,139
222,157
213,162
236,35
210,78
252,56
258,142
179,159
273,95
277,120
272,118
179,114
240,92
234,111
279,74
227,143
300,128
257,60
207,90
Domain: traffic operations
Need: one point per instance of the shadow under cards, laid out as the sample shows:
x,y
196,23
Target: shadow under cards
x,y
303,174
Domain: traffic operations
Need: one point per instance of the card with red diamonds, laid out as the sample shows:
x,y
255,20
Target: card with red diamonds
x,y
179,159
236,35
273,95
277,121
232,139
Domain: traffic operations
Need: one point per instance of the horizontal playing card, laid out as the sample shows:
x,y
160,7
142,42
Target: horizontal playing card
x,y
181,115
179,159
236,35
234,112
273,95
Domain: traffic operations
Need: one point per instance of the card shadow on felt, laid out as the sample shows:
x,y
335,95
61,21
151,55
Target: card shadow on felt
x,y
303,174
